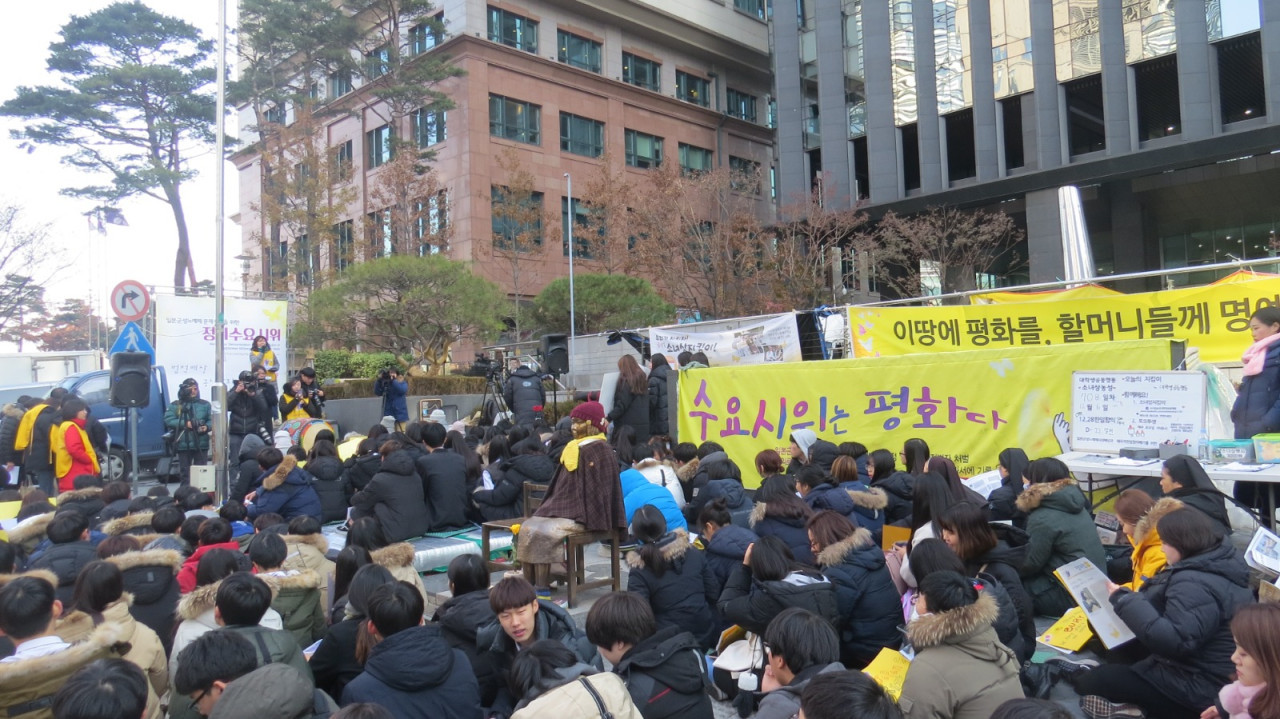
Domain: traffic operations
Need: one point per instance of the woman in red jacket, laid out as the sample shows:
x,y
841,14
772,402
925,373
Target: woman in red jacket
x,y
73,452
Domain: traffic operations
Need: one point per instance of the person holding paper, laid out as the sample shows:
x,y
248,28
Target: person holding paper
x,y
1138,515
1060,531
1182,616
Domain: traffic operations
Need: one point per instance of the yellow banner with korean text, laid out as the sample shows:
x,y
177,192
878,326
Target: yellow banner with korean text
x,y
1214,318
967,405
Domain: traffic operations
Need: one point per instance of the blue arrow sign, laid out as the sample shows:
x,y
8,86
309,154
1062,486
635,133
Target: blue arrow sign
x,y
132,339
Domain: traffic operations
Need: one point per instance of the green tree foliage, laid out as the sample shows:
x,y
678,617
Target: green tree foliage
x,y
601,303
415,307
131,103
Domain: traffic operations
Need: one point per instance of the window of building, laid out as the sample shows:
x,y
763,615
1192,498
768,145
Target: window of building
x,y
377,62
744,175
1085,129
344,161
578,51
1241,88
643,150
515,120
1077,33
306,262
344,244
694,158
581,226
754,8
378,149
1231,17
431,218
642,72
514,30
378,233
861,169
428,127
910,157
339,84
962,161
426,35
693,88
581,135
273,115
1011,115
1156,86
278,259
517,222
740,104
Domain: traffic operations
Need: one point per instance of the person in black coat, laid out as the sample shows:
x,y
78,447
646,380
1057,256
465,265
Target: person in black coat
x,y
393,497
1257,407
719,478
85,498
334,662
246,409
631,399
506,499
669,573
1002,502
248,469
659,402
724,544
869,605
443,475
150,577
897,486
331,482
769,581
1185,480
664,669
523,391
780,513
360,467
461,618
70,551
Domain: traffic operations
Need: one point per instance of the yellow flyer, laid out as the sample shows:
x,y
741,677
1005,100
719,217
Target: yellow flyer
x,y
889,669
1068,633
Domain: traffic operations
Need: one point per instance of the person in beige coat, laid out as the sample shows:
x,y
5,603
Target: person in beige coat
x,y
554,683
961,670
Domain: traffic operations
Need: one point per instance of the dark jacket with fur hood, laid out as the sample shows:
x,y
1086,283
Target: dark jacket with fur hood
x,y
683,595
297,599
87,501
1060,530
790,530
869,606
151,576
12,417
287,491
855,501
961,670
133,524
752,604
28,685
394,498
899,489
666,675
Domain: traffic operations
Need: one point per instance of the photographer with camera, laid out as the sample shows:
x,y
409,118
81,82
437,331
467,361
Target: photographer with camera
x,y
247,407
310,390
296,402
524,394
189,421
393,391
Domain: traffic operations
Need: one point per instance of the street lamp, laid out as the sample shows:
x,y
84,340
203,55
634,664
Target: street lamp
x,y
246,262
573,332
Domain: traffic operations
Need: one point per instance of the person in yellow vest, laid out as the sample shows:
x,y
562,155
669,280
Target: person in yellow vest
x,y
35,434
262,354
72,451
297,403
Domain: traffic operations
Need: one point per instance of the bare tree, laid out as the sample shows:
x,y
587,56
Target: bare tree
x,y
519,221
27,262
415,215
808,252
607,235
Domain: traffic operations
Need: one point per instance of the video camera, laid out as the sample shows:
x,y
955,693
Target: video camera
x,y
384,374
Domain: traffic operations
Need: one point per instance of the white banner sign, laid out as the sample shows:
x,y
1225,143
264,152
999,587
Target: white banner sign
x,y
185,337
773,340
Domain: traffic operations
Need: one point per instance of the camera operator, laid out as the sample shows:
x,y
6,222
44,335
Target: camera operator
x,y
296,403
393,391
188,420
307,375
270,396
247,406
524,394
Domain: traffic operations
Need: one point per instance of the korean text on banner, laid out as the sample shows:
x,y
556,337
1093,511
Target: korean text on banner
x,y
185,336
773,340
968,406
1214,318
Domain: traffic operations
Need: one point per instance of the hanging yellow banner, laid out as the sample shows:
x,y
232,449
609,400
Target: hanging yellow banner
x,y
1214,318
968,405
1082,292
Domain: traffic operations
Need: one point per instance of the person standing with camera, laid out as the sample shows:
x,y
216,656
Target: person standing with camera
x,y
188,420
524,394
393,390
248,408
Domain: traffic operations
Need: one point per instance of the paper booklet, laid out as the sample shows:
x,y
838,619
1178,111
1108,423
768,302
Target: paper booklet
x,y
889,669
1108,526
984,483
1264,551
1069,633
1088,586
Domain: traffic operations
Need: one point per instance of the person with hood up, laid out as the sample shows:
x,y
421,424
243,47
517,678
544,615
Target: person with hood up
x,y
659,400
282,488
1257,407
1183,616
331,485
960,670
412,670
867,601
1060,530
73,453
809,451
336,660
393,498
631,398
1185,480
799,645
248,470
553,683
719,478
724,546
1002,502
529,463
524,394
669,573
899,487
768,581
462,616
868,503
658,472
664,668
85,497
272,691
397,557
780,513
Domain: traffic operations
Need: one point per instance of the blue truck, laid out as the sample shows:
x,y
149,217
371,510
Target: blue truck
x,y
153,455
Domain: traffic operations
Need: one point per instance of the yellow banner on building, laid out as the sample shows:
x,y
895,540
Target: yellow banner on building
x,y
1214,318
968,406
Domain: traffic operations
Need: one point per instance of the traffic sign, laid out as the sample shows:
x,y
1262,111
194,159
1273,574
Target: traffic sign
x,y
132,339
130,301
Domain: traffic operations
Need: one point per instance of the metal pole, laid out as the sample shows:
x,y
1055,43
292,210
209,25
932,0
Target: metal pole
x,y
219,366
133,443
573,331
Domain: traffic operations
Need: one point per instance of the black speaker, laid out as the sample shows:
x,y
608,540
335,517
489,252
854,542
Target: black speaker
x,y
555,354
130,379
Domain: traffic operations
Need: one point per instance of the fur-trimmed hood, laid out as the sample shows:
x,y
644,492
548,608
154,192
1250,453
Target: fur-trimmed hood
x,y
33,528
1035,495
106,637
128,523
202,599
686,471
291,580
44,574
13,410
1147,524
674,546
871,498
316,540
277,477
954,626
395,555
147,558
79,495
835,554
760,512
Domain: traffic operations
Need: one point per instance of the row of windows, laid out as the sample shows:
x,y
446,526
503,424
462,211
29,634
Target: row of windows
x,y
377,62
428,128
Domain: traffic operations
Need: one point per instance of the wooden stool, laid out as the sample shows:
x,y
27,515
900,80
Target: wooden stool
x,y
485,530
575,562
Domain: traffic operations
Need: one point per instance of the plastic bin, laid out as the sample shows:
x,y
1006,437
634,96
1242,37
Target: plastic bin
x,y
1223,451
1266,447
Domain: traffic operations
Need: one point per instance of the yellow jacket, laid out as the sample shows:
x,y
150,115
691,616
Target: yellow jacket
x,y
1148,556
26,427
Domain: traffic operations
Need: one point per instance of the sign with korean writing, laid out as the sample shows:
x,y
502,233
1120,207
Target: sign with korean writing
x,y
1114,410
773,340
968,406
1214,318
185,332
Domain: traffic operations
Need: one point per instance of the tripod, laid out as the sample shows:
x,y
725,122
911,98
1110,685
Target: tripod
x,y
493,388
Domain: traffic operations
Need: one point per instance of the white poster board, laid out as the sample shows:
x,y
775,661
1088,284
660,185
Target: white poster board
x,y
1112,410
185,336
773,340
